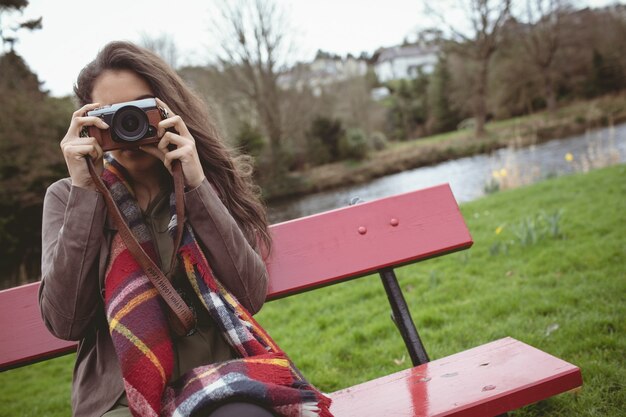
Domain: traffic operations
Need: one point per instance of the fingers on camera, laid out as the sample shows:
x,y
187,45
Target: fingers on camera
x,y
79,151
167,139
90,121
80,120
83,110
169,157
85,146
176,122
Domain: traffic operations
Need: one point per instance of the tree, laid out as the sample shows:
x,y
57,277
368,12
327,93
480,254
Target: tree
x,y
163,45
486,20
606,75
253,50
8,6
409,107
441,111
31,126
542,40
324,136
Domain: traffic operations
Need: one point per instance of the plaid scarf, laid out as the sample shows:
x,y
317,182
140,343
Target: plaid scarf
x,y
141,336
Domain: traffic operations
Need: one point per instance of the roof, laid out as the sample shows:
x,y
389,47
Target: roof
x,y
400,51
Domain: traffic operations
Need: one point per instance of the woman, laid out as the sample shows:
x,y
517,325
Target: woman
x,y
84,290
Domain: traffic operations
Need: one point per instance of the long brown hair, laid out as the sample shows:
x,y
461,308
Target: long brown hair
x,y
230,173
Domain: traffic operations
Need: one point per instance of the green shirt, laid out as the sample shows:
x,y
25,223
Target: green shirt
x,y
207,345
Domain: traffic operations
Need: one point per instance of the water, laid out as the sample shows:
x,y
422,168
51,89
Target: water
x,y
467,176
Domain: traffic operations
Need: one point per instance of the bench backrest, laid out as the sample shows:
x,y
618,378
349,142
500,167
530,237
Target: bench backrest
x,y
308,253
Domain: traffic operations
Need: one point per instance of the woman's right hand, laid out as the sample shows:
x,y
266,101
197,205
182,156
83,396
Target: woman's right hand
x,y
76,148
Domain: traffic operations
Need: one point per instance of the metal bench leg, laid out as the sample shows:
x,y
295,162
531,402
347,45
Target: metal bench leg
x,y
402,317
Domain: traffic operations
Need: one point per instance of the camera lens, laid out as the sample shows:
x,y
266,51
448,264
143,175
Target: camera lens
x,y
130,123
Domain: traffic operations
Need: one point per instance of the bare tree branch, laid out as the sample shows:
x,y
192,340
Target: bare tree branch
x,y
486,19
252,36
163,45
542,39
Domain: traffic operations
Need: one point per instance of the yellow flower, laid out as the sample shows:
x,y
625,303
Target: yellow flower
x,y
569,157
498,230
503,172
495,174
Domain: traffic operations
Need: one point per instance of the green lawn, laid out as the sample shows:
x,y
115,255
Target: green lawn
x,y
557,283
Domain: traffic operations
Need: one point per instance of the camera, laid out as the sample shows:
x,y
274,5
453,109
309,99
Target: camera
x,y
131,124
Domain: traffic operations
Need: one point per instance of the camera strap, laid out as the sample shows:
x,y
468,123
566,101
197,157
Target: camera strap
x,y
180,316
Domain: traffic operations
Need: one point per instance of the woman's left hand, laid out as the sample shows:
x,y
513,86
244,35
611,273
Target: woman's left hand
x,y
185,150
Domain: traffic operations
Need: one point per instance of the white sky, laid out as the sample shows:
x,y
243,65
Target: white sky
x,y
74,31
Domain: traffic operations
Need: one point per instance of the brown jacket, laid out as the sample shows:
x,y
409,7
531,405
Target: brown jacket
x,y
76,237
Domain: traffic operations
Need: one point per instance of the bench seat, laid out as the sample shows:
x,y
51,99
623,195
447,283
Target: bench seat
x,y
487,380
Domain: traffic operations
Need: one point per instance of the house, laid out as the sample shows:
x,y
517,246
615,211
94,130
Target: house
x,y
326,69
404,61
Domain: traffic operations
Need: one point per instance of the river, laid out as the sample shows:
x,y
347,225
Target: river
x,y
468,176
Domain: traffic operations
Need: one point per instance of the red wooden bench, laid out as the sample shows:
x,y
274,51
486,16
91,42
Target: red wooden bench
x,y
354,241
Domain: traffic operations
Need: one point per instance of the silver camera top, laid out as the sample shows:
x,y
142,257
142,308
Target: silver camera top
x,y
146,103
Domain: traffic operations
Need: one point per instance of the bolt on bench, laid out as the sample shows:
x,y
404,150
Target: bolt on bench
x,y
355,241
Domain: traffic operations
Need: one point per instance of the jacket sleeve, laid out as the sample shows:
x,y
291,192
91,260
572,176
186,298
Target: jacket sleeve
x,y
235,263
72,233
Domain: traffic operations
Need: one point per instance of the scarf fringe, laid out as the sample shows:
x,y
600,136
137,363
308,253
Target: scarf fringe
x,y
306,409
323,406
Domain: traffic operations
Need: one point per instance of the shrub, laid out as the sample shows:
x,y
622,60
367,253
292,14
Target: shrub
x,y
250,140
469,123
353,145
378,141
323,139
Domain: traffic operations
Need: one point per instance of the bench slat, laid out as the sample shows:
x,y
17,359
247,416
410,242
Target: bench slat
x,y
327,248
484,381
24,338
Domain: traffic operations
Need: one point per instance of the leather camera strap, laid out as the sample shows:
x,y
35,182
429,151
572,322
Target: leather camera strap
x,y
182,320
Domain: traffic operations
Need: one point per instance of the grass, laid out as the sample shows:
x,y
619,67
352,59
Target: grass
x,y
562,291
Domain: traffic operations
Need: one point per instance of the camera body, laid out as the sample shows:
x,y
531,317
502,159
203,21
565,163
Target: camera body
x,y
131,124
